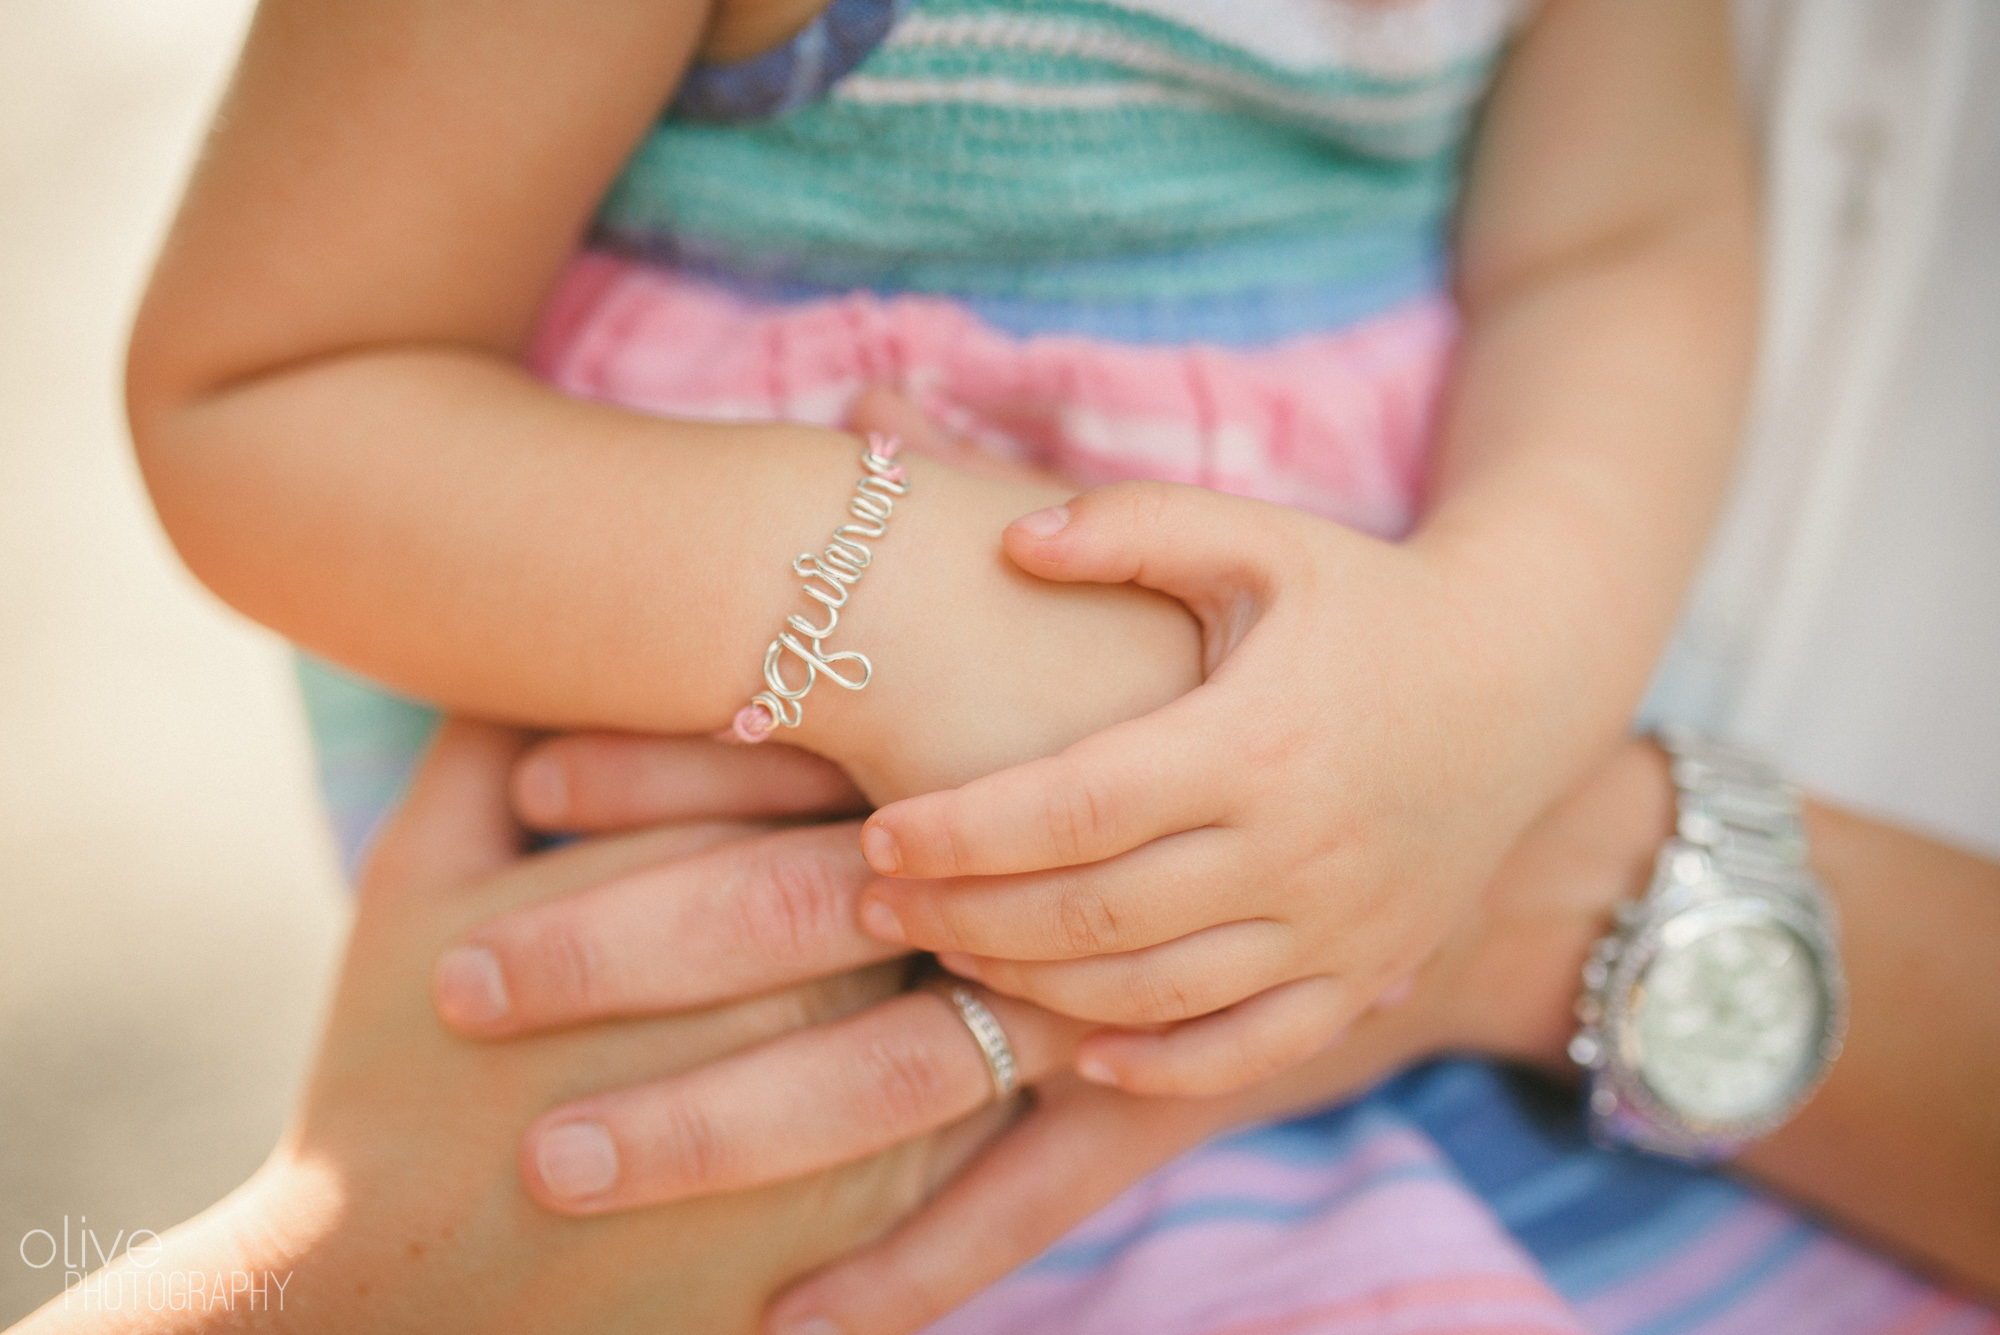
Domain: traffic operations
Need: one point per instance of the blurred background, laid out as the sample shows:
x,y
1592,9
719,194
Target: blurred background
x,y
169,905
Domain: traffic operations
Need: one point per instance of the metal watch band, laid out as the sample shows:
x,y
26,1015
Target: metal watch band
x,y
1739,840
1738,809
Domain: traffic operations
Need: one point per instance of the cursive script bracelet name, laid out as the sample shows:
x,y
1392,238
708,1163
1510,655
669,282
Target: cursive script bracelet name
x,y
828,577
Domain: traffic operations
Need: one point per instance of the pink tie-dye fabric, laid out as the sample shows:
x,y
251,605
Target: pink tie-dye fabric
x,y
1331,423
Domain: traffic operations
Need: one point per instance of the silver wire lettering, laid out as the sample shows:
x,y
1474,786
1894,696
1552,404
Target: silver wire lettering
x,y
827,579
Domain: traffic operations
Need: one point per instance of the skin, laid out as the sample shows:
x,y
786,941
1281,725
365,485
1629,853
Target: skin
x,y
326,399
1255,863
393,1202
1901,1145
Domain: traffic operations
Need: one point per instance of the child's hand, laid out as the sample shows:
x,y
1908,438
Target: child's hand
x,y
1257,862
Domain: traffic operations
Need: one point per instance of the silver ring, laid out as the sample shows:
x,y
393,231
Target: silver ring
x,y
987,1033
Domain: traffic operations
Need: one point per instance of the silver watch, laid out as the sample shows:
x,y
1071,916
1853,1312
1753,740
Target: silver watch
x,y
1716,1005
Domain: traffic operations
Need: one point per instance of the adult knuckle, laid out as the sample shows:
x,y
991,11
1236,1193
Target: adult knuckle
x,y
792,906
906,1082
693,1148
565,967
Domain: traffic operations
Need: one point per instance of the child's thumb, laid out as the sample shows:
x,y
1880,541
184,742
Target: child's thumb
x,y
1186,542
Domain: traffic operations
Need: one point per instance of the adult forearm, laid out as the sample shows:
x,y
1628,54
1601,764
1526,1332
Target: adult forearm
x,y
1903,1141
440,521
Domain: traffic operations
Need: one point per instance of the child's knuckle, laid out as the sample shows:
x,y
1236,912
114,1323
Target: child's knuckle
x,y
1080,817
1086,923
1159,995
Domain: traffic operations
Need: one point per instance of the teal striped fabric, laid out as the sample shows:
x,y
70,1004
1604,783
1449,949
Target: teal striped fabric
x,y
1107,154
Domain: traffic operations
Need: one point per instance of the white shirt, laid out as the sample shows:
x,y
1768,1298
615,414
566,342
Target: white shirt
x,y
1848,620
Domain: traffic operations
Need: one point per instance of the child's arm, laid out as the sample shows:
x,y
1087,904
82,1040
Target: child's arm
x,y
1383,720
327,404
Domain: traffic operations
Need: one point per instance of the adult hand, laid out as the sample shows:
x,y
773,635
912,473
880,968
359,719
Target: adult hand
x,y
727,920
1254,863
393,1202
1502,984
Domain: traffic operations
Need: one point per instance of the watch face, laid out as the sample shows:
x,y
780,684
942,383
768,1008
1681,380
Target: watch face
x,y
1728,1019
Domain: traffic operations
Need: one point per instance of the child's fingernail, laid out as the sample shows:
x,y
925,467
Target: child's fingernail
x,y
469,989
541,790
1096,1072
1043,523
577,1160
881,922
879,847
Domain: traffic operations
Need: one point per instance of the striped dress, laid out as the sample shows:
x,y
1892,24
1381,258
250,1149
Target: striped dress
x,y
1204,241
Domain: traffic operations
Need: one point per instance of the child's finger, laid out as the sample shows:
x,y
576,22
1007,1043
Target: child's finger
x,y
1234,1048
805,1102
1156,893
1113,791
1185,541
1071,1155
591,781
1196,975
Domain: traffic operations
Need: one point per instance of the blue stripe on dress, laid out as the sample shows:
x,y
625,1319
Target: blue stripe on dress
x,y
1084,1257
793,75
367,744
1338,281
1592,1217
1698,1311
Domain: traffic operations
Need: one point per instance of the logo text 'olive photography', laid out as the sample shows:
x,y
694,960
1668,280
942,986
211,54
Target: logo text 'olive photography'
x,y
91,1284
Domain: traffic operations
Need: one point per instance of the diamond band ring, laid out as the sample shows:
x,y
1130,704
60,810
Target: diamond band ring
x,y
987,1033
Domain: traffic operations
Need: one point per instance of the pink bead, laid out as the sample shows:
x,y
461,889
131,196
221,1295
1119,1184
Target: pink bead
x,y
753,724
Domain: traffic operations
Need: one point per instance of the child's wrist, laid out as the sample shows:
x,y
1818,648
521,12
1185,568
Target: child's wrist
x,y
977,665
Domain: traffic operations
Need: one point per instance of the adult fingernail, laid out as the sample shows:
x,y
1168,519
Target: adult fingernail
x,y
880,848
541,790
812,1325
1096,1072
1044,523
577,1160
880,921
469,988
